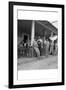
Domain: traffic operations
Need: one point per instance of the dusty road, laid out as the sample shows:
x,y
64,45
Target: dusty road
x,y
50,62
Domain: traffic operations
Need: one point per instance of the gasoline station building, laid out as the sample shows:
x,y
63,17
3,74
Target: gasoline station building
x,y
30,29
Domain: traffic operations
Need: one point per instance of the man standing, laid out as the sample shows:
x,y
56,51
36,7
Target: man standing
x,y
40,42
51,47
52,39
47,47
35,46
56,47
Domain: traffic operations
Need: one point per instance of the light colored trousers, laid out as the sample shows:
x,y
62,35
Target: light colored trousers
x,y
51,49
37,51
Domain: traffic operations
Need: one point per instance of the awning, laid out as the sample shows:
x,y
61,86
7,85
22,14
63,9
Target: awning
x,y
48,26
40,26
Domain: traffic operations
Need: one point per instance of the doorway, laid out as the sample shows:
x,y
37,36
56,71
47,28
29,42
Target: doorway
x,y
25,38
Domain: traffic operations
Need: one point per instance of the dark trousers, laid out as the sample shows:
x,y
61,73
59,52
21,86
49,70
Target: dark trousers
x,y
40,50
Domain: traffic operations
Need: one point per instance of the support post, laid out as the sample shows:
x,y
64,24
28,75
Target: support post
x,y
32,32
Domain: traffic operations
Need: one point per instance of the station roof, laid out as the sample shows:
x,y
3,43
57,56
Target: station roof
x,y
40,26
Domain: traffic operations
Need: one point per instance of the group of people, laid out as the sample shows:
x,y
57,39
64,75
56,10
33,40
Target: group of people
x,y
49,46
41,47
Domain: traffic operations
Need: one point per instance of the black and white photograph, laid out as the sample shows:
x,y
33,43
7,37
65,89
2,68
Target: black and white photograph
x,y
36,37
37,44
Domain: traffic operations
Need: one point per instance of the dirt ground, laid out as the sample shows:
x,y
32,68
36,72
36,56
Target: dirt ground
x,y
43,62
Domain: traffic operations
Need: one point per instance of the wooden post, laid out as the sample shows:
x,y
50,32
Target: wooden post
x,y
32,32
32,35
